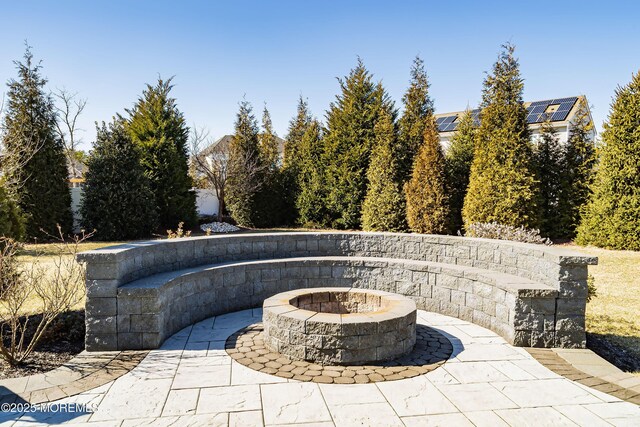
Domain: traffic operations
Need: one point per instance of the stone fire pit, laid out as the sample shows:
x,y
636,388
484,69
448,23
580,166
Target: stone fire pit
x,y
339,326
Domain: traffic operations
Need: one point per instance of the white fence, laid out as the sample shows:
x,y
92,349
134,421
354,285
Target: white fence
x,y
206,204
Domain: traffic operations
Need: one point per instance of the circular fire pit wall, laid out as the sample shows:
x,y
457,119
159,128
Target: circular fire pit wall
x,y
339,326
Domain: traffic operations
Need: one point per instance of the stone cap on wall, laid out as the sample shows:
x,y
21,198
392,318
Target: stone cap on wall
x,y
560,255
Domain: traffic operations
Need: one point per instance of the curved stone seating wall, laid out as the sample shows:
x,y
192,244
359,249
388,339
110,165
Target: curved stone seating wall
x,y
139,294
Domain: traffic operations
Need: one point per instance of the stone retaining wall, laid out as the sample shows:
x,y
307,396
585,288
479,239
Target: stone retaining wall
x,y
139,294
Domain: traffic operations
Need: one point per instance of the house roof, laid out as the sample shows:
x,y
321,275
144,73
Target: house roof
x,y
558,110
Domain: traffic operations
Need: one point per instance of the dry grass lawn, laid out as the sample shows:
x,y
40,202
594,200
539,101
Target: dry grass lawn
x,y
46,254
613,317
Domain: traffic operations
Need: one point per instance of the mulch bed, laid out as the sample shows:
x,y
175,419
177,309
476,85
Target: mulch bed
x,y
63,340
613,353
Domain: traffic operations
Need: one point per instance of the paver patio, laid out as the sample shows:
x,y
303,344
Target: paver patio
x,y
192,381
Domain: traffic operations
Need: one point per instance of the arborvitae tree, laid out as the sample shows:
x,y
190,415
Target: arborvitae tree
x,y
270,199
427,199
245,171
117,201
310,202
268,143
158,128
612,216
384,206
502,185
418,107
39,178
459,157
297,127
577,174
11,219
292,160
350,138
549,164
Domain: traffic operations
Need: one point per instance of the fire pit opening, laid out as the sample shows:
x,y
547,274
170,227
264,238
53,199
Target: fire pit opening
x,y
340,325
339,302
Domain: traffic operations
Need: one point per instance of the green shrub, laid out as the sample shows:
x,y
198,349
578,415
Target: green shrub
x,y
117,200
427,199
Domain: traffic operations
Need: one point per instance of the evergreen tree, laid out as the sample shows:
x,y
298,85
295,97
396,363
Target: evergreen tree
x,y
245,171
427,200
158,128
458,167
502,185
418,107
270,200
268,143
549,164
612,216
11,219
577,174
384,205
297,127
310,202
38,179
292,161
117,201
350,137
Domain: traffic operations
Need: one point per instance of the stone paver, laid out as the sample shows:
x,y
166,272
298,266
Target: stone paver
x,y
587,368
431,350
84,372
504,387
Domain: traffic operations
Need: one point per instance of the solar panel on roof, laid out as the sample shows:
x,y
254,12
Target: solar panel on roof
x,y
535,113
559,116
572,100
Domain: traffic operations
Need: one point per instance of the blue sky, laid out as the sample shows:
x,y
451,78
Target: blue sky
x,y
275,51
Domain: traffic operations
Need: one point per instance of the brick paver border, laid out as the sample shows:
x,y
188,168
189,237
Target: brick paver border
x,y
432,349
554,362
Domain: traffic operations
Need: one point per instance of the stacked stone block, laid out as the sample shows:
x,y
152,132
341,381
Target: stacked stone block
x,y
138,294
338,326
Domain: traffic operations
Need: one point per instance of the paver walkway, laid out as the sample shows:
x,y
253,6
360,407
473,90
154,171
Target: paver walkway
x,y
191,381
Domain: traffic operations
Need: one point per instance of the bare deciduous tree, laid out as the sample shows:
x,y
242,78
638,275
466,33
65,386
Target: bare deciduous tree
x,y
210,163
68,109
56,287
